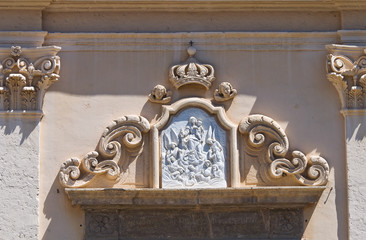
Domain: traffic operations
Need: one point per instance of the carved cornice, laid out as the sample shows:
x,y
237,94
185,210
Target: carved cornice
x,y
348,77
206,5
24,4
21,38
25,75
238,41
267,141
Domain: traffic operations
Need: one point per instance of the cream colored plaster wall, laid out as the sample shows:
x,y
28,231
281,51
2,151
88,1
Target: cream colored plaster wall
x,y
98,86
20,20
190,21
106,76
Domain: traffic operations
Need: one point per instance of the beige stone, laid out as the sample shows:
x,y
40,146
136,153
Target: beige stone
x,y
115,52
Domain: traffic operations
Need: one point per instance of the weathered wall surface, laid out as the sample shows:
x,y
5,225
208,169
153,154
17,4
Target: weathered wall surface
x,y
19,184
113,55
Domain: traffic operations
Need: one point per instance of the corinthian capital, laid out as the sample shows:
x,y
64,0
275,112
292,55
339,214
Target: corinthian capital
x,y
346,67
25,75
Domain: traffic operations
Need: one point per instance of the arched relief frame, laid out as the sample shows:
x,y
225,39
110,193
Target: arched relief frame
x,y
169,111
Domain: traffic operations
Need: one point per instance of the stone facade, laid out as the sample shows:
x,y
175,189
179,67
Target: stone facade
x,y
182,119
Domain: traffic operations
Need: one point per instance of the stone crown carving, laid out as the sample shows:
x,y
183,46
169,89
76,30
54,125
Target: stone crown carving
x,y
349,78
192,72
23,82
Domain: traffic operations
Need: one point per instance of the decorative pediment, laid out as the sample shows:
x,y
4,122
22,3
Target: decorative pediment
x,y
25,75
195,179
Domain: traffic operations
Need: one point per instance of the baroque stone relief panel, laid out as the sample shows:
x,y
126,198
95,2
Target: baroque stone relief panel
x,y
195,147
194,161
193,151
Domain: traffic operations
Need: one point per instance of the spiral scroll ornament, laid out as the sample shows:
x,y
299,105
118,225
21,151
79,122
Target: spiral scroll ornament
x,y
124,134
348,77
23,83
269,143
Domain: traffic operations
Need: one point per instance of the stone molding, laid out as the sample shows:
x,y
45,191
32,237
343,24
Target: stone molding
x,y
251,196
177,5
205,5
21,38
25,75
348,75
24,4
225,41
350,37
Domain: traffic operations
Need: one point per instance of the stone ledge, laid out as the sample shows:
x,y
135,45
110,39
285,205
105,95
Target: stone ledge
x,y
205,5
225,41
22,114
270,197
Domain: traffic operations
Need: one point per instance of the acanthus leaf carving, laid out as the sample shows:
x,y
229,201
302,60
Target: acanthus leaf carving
x,y
266,139
348,78
25,81
125,133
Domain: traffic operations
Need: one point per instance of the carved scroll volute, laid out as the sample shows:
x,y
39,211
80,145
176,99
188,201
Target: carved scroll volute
x,y
349,79
265,139
123,134
23,83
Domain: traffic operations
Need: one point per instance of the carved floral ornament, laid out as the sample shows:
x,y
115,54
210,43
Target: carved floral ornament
x,y
349,78
194,145
25,79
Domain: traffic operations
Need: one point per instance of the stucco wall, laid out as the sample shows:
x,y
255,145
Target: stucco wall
x,y
282,81
111,60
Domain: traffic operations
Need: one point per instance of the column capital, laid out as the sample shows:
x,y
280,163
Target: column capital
x,y
25,75
346,69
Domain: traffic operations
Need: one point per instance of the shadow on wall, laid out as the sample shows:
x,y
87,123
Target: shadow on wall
x,y
68,217
356,130
12,126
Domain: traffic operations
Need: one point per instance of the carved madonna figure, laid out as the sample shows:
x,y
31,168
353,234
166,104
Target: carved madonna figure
x,y
193,150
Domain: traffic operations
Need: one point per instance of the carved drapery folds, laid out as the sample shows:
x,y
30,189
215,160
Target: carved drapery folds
x,y
266,140
349,78
25,79
124,134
